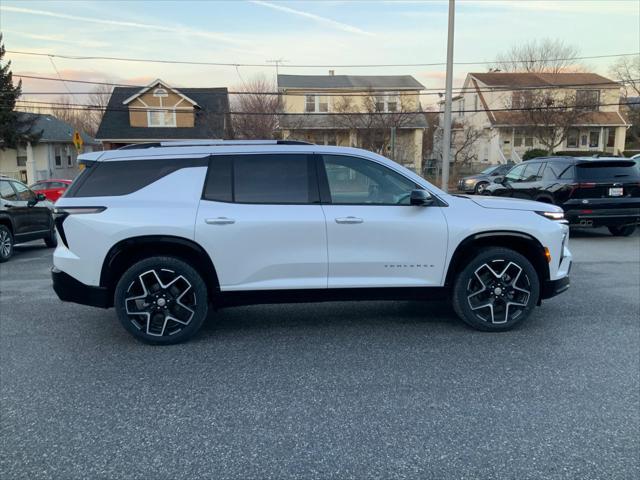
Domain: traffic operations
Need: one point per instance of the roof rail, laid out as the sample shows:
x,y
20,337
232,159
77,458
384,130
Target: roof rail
x,y
214,142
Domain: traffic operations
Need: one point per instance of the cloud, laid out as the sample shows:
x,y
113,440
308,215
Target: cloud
x,y
119,23
58,38
326,21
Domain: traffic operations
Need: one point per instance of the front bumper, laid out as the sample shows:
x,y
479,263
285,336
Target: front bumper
x,y
69,289
551,288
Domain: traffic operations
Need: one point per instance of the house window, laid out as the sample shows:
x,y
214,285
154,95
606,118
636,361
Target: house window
x,y
160,92
57,152
69,157
588,100
611,138
594,138
521,136
583,140
21,156
461,108
572,138
161,118
387,103
316,104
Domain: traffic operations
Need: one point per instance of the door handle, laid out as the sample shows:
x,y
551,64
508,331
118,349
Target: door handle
x,y
219,221
349,220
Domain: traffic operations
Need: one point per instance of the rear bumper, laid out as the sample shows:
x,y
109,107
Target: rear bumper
x,y
69,289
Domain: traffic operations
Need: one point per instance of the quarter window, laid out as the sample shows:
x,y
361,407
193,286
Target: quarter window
x,y
355,180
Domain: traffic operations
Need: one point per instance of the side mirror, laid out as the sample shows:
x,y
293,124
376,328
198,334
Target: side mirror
x,y
499,179
41,197
421,198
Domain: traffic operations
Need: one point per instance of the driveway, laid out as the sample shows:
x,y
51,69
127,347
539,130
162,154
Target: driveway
x,y
334,390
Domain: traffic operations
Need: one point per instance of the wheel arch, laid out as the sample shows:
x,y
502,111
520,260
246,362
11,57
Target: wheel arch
x,y
7,222
126,252
522,243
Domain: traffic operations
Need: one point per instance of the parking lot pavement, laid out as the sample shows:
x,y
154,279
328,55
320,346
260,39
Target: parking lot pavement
x,y
335,390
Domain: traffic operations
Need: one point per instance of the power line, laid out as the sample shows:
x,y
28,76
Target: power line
x,y
226,64
84,107
423,92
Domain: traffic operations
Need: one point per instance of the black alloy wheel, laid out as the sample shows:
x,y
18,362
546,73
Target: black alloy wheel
x,y
496,291
161,300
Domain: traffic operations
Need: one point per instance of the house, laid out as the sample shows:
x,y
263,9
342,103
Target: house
x,y
159,112
498,104
52,156
379,113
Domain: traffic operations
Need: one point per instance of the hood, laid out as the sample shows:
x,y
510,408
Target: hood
x,y
507,203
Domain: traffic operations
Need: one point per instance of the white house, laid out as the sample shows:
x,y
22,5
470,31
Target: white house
x,y
485,100
53,156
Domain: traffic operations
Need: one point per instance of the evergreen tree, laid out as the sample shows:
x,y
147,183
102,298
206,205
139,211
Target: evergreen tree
x,y
15,127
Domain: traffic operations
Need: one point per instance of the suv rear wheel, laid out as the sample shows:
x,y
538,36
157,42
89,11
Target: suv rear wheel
x,y
6,243
161,300
496,291
51,240
624,231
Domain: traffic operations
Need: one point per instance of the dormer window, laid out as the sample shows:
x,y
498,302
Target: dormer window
x,y
161,118
160,92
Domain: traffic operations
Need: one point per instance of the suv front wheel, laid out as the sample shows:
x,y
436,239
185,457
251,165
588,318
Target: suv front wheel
x,y
6,243
161,300
496,291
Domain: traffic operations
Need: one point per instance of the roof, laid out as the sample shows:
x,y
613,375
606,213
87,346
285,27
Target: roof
x,y
329,122
531,79
55,130
361,82
585,118
209,120
153,84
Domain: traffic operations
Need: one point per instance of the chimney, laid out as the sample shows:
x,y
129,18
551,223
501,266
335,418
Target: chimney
x,y
332,73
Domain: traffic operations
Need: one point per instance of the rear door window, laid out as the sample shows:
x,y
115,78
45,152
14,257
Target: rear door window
x,y
274,179
6,191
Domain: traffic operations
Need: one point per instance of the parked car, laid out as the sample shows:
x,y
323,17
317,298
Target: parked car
x,y
478,182
636,159
281,221
24,216
53,189
593,192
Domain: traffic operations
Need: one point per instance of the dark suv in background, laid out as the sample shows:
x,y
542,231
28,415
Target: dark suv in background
x,y
593,192
24,216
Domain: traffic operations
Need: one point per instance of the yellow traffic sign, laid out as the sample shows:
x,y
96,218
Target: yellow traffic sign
x,y
77,140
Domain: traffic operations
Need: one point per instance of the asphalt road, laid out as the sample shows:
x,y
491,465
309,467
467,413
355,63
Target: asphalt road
x,y
336,390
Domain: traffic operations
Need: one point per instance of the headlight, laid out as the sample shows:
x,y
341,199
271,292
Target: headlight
x,y
557,216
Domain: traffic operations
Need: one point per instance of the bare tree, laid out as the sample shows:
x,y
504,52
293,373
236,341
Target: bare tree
x,y
258,97
627,71
546,55
464,139
86,119
374,117
549,117
98,99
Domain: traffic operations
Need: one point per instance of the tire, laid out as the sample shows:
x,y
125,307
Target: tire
x,y
175,305
6,243
480,188
51,240
624,231
496,291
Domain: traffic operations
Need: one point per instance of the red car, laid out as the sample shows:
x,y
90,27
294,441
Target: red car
x,y
52,189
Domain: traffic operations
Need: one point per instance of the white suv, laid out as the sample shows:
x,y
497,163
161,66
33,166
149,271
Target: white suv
x,y
168,232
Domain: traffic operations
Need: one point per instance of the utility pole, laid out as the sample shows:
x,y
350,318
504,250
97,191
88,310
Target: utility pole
x,y
446,134
277,62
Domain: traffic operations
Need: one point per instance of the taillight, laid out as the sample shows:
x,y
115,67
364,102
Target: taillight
x,y
587,185
61,213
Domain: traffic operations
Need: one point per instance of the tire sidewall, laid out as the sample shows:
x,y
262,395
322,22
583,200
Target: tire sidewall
x,y
461,305
180,267
481,187
3,258
51,240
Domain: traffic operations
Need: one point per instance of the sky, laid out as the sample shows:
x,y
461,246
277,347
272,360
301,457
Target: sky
x,y
299,32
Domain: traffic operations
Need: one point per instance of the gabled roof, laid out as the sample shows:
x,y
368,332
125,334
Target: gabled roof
x,y
527,79
611,119
54,130
209,118
361,82
153,84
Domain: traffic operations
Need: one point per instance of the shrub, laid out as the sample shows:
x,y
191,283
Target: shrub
x,y
534,153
